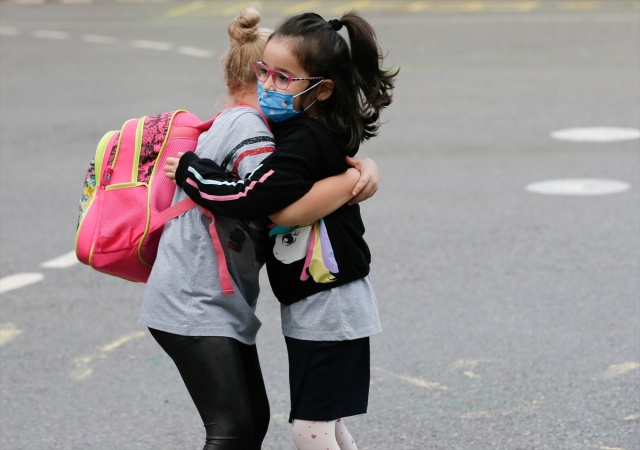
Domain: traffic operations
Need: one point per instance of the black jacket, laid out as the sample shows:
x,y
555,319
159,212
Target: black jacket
x,y
303,260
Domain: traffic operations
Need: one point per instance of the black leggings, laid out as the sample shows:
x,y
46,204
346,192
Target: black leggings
x,y
224,380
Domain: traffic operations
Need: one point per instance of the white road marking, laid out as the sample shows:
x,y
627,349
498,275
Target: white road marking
x,y
50,34
100,39
19,280
151,45
197,52
61,262
9,31
596,134
97,39
578,187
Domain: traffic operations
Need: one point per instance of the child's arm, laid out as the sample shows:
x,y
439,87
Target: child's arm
x,y
369,179
266,191
327,195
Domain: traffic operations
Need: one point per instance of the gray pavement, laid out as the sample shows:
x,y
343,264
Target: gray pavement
x,y
512,319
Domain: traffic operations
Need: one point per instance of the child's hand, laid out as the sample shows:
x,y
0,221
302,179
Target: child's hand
x,y
171,167
367,185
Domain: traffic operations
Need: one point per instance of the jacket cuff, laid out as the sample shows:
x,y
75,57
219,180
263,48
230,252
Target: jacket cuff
x,y
183,167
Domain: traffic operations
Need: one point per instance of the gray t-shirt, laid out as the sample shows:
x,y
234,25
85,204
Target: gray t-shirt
x,y
346,312
183,294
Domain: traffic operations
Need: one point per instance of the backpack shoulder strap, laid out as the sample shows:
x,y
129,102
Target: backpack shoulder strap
x,y
223,270
175,210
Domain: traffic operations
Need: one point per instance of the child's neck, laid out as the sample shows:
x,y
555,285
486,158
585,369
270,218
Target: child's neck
x,y
247,98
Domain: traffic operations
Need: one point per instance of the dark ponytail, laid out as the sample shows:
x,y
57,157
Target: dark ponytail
x,y
375,83
362,88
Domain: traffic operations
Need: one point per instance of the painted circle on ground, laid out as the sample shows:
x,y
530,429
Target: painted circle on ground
x,y
596,134
578,186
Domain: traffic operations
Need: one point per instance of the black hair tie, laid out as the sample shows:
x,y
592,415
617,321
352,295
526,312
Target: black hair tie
x,y
336,24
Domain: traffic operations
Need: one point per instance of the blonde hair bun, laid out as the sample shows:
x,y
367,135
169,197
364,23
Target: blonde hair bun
x,y
245,26
247,42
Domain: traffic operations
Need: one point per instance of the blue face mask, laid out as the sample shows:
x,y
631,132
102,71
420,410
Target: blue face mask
x,y
278,106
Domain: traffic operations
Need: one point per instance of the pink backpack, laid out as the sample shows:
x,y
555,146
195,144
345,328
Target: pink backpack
x,y
127,197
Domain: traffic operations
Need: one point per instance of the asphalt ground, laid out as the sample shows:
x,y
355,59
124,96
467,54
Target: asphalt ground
x,y
511,318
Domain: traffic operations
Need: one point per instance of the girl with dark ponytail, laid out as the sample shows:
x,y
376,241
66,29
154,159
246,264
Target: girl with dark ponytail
x,y
324,98
361,87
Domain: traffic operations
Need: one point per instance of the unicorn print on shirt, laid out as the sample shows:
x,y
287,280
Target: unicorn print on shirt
x,y
309,242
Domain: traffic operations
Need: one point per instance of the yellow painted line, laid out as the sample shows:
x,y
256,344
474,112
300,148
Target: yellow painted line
x,y
83,369
500,412
466,366
578,6
358,5
301,7
526,6
425,384
123,340
8,332
615,370
235,8
416,6
474,6
468,6
462,364
335,8
187,9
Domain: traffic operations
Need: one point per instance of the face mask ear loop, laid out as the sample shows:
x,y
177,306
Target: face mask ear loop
x,y
305,110
308,89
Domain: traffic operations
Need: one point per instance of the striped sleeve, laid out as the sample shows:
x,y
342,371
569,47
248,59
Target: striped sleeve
x,y
252,142
263,192
280,179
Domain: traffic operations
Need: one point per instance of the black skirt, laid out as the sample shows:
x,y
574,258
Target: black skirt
x,y
328,380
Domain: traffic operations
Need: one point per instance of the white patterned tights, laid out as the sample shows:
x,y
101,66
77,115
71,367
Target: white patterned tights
x,y
322,435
